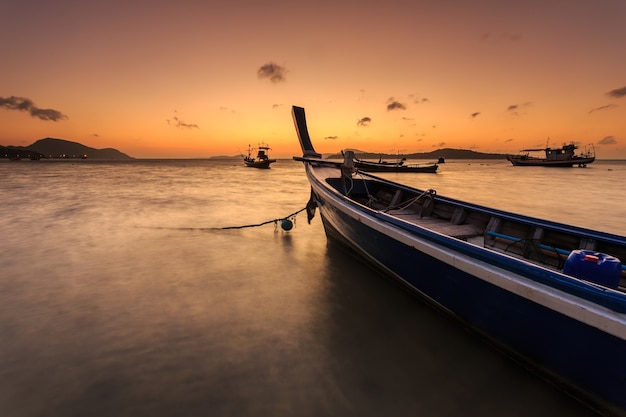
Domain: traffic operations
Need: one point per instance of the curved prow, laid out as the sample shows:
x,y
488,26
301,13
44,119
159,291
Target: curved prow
x,y
299,121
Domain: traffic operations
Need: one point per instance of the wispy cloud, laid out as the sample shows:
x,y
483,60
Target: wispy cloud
x,y
617,93
364,121
177,122
273,72
607,140
228,109
393,104
515,109
608,106
25,104
180,123
417,100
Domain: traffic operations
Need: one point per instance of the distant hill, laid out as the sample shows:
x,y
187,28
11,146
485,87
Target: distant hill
x,y
446,153
18,153
60,148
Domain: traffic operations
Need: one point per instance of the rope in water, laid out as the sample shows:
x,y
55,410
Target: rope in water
x,y
291,217
287,224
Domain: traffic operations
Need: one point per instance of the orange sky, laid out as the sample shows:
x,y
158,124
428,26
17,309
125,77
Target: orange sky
x,y
193,79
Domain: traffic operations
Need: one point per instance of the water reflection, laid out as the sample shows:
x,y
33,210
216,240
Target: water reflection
x,y
390,353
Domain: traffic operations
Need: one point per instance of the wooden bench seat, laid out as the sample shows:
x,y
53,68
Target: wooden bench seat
x,y
461,231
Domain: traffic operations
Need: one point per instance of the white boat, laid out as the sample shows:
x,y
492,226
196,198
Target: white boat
x,y
563,157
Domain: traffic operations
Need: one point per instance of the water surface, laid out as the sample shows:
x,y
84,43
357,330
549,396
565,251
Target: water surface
x,y
120,295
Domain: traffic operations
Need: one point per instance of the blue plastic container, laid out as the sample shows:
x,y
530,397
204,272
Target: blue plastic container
x,y
596,267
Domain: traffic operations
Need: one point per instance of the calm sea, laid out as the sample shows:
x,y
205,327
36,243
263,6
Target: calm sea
x,y
120,295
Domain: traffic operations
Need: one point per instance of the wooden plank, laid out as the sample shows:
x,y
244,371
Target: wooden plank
x,y
438,225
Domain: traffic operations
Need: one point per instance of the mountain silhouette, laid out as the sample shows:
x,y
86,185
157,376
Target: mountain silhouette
x,y
446,153
60,148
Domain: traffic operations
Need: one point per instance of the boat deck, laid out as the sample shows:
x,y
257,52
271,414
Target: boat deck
x,y
492,232
445,227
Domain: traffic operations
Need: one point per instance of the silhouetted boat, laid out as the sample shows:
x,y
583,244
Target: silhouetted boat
x,y
550,294
554,157
399,166
262,159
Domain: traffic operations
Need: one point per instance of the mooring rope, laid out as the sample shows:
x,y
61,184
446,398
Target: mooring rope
x,y
291,217
430,192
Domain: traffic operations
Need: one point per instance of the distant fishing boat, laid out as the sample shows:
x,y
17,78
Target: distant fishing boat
x,y
550,294
554,157
399,166
262,159
386,166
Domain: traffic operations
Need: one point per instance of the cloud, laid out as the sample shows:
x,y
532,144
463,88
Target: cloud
x,y
273,72
608,106
514,109
331,138
617,93
228,109
25,104
476,113
181,124
277,106
365,121
392,104
607,140
418,100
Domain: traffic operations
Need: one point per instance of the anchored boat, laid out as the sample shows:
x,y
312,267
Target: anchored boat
x,y
262,159
551,294
564,156
399,166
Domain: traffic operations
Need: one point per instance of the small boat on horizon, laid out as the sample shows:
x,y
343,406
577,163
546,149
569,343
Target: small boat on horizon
x,y
564,156
551,295
262,159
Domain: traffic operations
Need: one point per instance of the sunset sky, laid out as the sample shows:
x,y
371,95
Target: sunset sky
x,y
181,79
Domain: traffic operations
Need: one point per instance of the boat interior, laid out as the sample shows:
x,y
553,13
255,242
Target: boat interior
x,y
549,247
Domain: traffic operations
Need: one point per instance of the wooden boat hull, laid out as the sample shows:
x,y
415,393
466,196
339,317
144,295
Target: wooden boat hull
x,y
538,162
259,164
573,331
375,167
